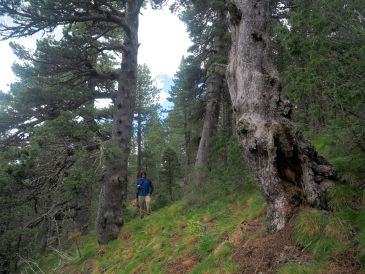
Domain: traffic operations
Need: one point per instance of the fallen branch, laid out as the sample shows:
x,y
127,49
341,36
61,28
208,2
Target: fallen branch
x,y
31,264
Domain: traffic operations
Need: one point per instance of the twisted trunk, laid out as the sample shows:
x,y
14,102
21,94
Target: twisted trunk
x,y
288,169
114,184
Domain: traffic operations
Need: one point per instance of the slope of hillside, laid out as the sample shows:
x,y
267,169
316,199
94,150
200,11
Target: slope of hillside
x,y
225,235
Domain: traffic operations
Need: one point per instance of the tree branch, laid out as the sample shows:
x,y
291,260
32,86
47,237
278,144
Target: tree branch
x,y
30,21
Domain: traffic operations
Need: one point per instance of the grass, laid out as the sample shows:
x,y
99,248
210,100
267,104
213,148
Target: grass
x,y
292,268
199,233
167,237
345,157
325,237
341,231
359,224
331,234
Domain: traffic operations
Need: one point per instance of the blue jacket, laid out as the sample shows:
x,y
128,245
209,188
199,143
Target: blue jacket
x,y
146,187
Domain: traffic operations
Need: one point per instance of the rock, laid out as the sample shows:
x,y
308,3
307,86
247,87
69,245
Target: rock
x,y
237,236
183,225
283,258
207,219
318,178
326,185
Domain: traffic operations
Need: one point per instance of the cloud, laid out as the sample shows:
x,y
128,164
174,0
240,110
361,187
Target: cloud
x,y
159,83
7,58
164,82
163,97
163,40
102,103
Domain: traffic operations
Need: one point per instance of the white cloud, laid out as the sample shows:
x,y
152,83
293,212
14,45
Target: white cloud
x,y
7,58
163,40
159,83
163,96
102,103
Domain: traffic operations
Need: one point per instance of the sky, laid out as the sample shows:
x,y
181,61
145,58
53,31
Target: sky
x,y
163,42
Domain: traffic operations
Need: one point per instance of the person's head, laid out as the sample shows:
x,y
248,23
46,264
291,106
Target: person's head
x,y
143,174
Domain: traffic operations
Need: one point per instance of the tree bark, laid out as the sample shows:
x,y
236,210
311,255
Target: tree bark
x,y
215,83
226,112
139,143
83,210
170,182
114,184
288,169
227,121
188,142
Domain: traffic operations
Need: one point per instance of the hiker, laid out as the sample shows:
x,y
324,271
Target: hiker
x,y
144,194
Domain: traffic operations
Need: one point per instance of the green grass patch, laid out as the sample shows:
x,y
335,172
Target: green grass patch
x,y
360,236
346,159
325,235
293,268
342,196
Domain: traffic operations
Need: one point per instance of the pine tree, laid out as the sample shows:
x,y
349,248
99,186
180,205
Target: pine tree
x,y
170,171
121,19
46,189
154,142
183,121
208,30
323,75
146,101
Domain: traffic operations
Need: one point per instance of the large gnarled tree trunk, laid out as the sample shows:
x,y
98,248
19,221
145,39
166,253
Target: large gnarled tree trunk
x,y
114,186
288,170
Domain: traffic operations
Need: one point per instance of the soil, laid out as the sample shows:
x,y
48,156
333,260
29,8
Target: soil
x,y
343,264
264,252
183,265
